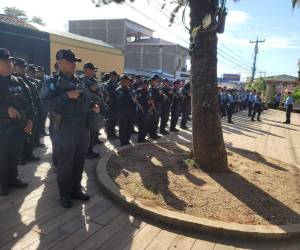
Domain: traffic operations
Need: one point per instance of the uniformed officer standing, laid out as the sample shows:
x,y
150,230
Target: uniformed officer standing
x,y
157,99
186,105
91,84
166,106
30,139
16,112
257,107
67,99
176,106
144,110
231,106
112,118
126,104
250,102
289,102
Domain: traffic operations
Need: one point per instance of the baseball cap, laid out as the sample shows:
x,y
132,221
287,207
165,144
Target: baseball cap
x,y
5,54
40,68
125,77
89,65
68,55
20,61
31,67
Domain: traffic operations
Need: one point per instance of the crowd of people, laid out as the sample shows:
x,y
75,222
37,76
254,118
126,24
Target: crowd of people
x,y
79,106
234,100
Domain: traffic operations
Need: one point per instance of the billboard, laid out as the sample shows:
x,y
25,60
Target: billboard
x,y
231,78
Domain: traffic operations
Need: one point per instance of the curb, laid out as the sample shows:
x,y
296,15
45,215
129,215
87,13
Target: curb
x,y
183,221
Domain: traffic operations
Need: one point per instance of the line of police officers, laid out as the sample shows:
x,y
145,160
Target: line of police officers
x,y
77,108
233,100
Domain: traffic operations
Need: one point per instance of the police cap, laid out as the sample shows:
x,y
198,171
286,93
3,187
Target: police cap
x,y
124,77
5,54
40,68
89,65
31,67
68,55
20,62
155,78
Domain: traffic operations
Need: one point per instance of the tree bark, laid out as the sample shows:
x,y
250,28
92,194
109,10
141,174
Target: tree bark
x,y
208,142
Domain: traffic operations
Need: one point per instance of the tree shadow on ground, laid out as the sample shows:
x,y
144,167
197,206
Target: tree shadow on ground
x,y
154,173
258,157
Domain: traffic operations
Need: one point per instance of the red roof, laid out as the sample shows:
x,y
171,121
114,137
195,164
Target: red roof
x,y
15,21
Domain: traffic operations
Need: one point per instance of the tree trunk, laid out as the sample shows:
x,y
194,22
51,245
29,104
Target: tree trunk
x,y
208,142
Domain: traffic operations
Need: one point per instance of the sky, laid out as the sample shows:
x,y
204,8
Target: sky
x,y
271,20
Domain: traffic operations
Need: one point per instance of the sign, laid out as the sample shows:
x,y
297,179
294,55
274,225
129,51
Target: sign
x,y
231,78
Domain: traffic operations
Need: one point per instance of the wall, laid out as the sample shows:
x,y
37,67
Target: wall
x,y
109,31
32,45
106,59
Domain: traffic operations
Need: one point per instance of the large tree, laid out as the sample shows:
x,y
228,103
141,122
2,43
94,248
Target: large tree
x,y
206,18
15,12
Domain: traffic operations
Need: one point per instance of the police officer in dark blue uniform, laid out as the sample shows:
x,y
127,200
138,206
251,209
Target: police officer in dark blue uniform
x,y
176,106
157,99
27,152
166,106
16,112
112,118
126,103
68,100
144,110
186,105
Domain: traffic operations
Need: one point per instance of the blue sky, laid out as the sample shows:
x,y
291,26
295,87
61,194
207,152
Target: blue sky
x,y
272,20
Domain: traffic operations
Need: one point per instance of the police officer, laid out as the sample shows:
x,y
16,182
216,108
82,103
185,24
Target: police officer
x,y
231,105
186,105
137,82
289,102
176,106
126,103
156,95
166,106
89,73
67,99
30,139
92,86
112,118
257,107
251,102
144,110
16,115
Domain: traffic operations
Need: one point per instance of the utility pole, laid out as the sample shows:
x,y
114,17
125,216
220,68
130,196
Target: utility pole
x,y
299,69
255,56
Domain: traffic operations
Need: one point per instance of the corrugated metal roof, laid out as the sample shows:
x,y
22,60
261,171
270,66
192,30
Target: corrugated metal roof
x,y
16,21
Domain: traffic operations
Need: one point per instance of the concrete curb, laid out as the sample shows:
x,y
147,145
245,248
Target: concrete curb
x,y
184,221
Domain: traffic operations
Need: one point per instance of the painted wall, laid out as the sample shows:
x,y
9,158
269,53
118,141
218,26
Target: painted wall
x,y
106,59
32,45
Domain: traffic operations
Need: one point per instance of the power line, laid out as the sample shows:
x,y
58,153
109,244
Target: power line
x,y
220,52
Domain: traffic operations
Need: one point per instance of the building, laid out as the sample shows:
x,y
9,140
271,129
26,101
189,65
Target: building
x,y
280,84
142,52
38,45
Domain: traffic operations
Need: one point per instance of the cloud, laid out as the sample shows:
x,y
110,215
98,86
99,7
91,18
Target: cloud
x,y
278,42
237,17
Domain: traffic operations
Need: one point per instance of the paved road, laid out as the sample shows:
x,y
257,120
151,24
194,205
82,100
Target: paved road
x,y
33,218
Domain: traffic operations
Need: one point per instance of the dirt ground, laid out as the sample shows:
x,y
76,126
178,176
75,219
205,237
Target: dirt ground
x,y
255,190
